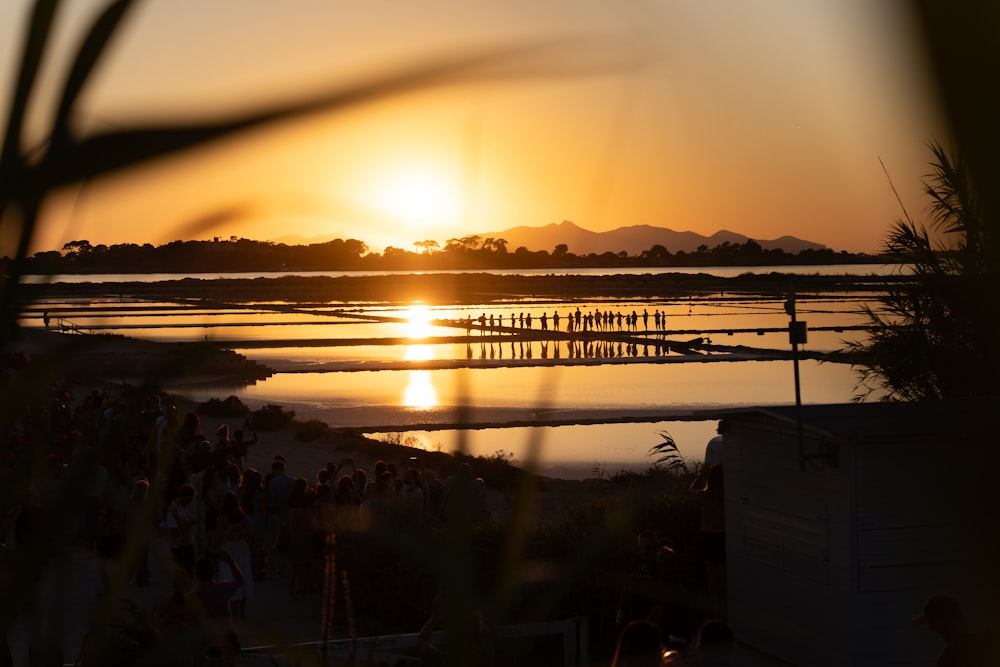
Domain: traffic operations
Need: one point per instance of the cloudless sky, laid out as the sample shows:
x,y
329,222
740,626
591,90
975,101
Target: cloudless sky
x,y
764,117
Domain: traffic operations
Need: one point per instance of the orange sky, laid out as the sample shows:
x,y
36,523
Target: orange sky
x,y
765,118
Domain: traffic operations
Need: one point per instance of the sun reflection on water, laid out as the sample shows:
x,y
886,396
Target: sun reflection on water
x,y
418,353
420,392
418,318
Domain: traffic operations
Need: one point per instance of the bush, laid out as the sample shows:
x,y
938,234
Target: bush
x,y
313,429
271,417
499,470
228,409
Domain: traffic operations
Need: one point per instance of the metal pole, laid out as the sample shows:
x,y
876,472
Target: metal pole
x,y
796,334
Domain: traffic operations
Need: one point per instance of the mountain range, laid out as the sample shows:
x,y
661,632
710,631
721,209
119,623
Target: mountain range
x,y
579,241
633,239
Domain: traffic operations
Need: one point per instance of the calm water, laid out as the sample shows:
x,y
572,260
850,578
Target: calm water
x,y
399,370
721,271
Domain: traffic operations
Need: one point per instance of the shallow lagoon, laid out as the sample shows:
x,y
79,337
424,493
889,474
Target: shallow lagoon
x,y
371,366
664,397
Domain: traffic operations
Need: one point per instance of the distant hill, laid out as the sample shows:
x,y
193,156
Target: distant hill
x,y
632,240
295,239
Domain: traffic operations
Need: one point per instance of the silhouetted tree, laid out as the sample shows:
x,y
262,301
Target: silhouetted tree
x,y
428,246
75,249
938,335
656,251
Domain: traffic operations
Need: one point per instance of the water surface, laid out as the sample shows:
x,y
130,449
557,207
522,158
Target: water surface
x,y
411,372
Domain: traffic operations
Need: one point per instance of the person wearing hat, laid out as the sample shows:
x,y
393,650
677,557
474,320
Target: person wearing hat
x,y
966,647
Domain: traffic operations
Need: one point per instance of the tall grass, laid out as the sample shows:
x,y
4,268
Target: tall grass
x,y
477,568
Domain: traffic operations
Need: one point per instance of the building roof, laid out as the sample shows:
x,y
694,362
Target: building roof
x,y
874,419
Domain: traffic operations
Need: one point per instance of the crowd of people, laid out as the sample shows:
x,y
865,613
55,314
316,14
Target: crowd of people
x,y
576,321
129,475
139,473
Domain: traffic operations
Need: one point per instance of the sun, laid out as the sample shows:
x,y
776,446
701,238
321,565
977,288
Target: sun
x,y
418,196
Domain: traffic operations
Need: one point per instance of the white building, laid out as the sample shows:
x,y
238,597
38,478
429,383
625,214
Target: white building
x,y
834,543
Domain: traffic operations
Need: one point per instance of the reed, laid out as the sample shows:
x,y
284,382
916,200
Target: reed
x,y
122,635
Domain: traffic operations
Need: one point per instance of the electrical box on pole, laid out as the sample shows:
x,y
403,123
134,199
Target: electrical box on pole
x,y
797,332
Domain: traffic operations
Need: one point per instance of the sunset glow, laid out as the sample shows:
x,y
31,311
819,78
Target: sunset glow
x,y
763,119
417,197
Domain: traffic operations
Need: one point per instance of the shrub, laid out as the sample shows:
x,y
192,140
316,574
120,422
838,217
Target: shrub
x,y
271,417
229,408
313,429
499,470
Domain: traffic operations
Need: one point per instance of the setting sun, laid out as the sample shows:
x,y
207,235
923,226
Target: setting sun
x,y
418,196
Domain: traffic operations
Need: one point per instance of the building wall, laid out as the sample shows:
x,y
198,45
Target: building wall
x,y
781,534
828,565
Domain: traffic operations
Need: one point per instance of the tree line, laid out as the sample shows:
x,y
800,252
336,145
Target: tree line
x,y
469,252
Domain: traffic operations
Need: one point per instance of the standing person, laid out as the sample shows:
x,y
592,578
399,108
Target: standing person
x,y
345,502
172,619
139,518
251,494
713,450
465,497
171,610
170,470
182,520
223,444
966,647
709,485
189,433
639,645
240,444
360,485
303,527
208,605
412,494
714,644
470,639
112,528
635,602
277,492
210,495
233,535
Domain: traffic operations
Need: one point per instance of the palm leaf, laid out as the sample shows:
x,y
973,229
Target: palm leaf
x,y
39,27
101,154
94,46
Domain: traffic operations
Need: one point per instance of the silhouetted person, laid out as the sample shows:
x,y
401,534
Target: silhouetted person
x,y
714,645
208,604
712,534
470,637
240,443
634,602
639,645
966,647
